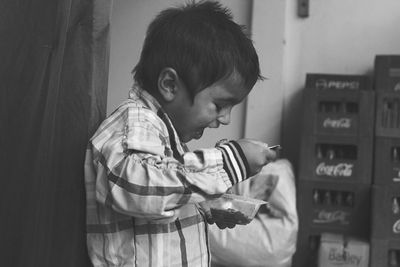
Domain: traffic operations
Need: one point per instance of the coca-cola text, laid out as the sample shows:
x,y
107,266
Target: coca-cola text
x,y
396,227
340,169
324,217
337,123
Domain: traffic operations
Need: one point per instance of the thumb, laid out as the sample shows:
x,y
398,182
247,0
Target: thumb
x,y
206,211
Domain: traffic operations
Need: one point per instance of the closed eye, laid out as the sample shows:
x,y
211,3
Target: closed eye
x,y
219,107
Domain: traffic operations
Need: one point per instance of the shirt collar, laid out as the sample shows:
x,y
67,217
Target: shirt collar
x,y
138,94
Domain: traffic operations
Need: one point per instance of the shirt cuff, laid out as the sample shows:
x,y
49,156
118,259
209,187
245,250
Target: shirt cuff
x,y
234,161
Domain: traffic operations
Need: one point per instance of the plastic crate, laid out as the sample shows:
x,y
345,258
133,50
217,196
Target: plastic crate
x,y
387,120
334,207
385,220
339,112
336,158
387,161
385,253
387,73
307,246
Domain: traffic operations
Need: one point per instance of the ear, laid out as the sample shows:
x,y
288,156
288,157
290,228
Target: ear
x,y
168,84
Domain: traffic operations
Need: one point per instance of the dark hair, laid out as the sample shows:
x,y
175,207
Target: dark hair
x,y
201,43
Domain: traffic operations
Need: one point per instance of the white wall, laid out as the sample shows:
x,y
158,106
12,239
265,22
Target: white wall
x,y
129,22
265,102
339,36
130,19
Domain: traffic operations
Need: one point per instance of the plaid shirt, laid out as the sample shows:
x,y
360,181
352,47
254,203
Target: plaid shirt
x,y
143,186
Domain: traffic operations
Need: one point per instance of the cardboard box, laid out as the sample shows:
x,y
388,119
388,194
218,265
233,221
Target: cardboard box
x,y
314,246
338,250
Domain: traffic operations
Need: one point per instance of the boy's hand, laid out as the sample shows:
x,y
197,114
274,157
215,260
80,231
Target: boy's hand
x,y
257,154
222,218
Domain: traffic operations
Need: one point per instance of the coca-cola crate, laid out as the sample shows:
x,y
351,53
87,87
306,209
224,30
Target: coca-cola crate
x,y
339,112
385,253
342,208
387,161
387,121
336,158
385,212
308,241
325,81
387,73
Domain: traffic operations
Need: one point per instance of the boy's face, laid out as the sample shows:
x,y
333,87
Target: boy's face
x,y
210,107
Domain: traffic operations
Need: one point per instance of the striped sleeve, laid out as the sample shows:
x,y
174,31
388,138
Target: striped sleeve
x,y
234,161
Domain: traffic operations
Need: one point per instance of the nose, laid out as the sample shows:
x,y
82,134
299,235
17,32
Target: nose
x,y
225,117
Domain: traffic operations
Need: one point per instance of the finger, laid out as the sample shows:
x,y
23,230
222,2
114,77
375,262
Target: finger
x,y
207,214
210,220
220,225
259,143
271,155
230,226
223,225
270,152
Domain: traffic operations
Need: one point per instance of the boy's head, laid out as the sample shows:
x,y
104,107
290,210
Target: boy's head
x,y
193,48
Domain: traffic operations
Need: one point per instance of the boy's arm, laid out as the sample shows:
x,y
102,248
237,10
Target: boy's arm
x,y
148,185
131,173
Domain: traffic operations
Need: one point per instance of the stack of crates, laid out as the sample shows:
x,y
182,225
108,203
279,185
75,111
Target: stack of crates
x,y
335,166
385,226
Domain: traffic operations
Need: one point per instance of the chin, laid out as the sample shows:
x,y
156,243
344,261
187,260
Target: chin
x,y
189,137
185,139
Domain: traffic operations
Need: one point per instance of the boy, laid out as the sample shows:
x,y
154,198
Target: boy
x,y
143,186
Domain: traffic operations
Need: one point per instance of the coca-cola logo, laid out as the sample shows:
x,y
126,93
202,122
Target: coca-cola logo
x,y
337,123
397,174
340,169
341,257
396,227
324,217
397,87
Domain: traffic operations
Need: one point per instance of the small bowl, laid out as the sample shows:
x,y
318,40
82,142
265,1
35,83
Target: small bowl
x,y
234,208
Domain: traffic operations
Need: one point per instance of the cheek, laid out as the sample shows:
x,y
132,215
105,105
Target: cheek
x,y
207,114
203,113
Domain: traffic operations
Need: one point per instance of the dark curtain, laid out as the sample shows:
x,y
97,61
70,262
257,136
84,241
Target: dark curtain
x,y
53,81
